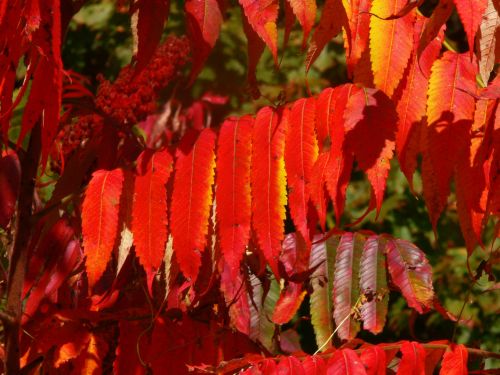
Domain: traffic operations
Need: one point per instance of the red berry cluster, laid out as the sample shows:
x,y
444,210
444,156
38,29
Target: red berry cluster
x,y
130,99
133,96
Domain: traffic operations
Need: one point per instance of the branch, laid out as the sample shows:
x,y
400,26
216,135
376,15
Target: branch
x,y
241,363
19,254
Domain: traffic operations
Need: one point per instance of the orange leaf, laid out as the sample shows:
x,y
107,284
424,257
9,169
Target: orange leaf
x,y
391,43
233,194
455,361
269,184
411,98
301,151
149,210
100,220
305,11
191,200
450,111
262,16
357,34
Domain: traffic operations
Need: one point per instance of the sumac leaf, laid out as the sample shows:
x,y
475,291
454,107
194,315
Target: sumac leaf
x,y
268,184
233,194
373,284
100,220
346,284
191,200
455,361
411,273
149,210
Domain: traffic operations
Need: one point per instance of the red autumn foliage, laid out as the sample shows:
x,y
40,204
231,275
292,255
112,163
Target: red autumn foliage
x,y
165,244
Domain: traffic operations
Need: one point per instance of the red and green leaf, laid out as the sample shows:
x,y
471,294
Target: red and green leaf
x,y
100,212
411,273
373,284
322,260
191,200
269,184
149,210
233,195
346,293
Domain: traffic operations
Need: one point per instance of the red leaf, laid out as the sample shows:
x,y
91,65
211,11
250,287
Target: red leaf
x,y
151,16
317,186
371,124
413,360
191,200
333,17
262,16
450,111
455,361
411,98
373,283
314,365
10,178
345,361
233,286
433,356
389,63
305,11
100,220
373,359
204,20
149,210
339,166
289,366
269,184
346,284
356,37
233,188
471,175
255,49
289,302
411,273
438,18
471,13
301,151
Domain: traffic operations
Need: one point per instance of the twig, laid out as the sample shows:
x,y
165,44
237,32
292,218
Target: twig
x,y
19,253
